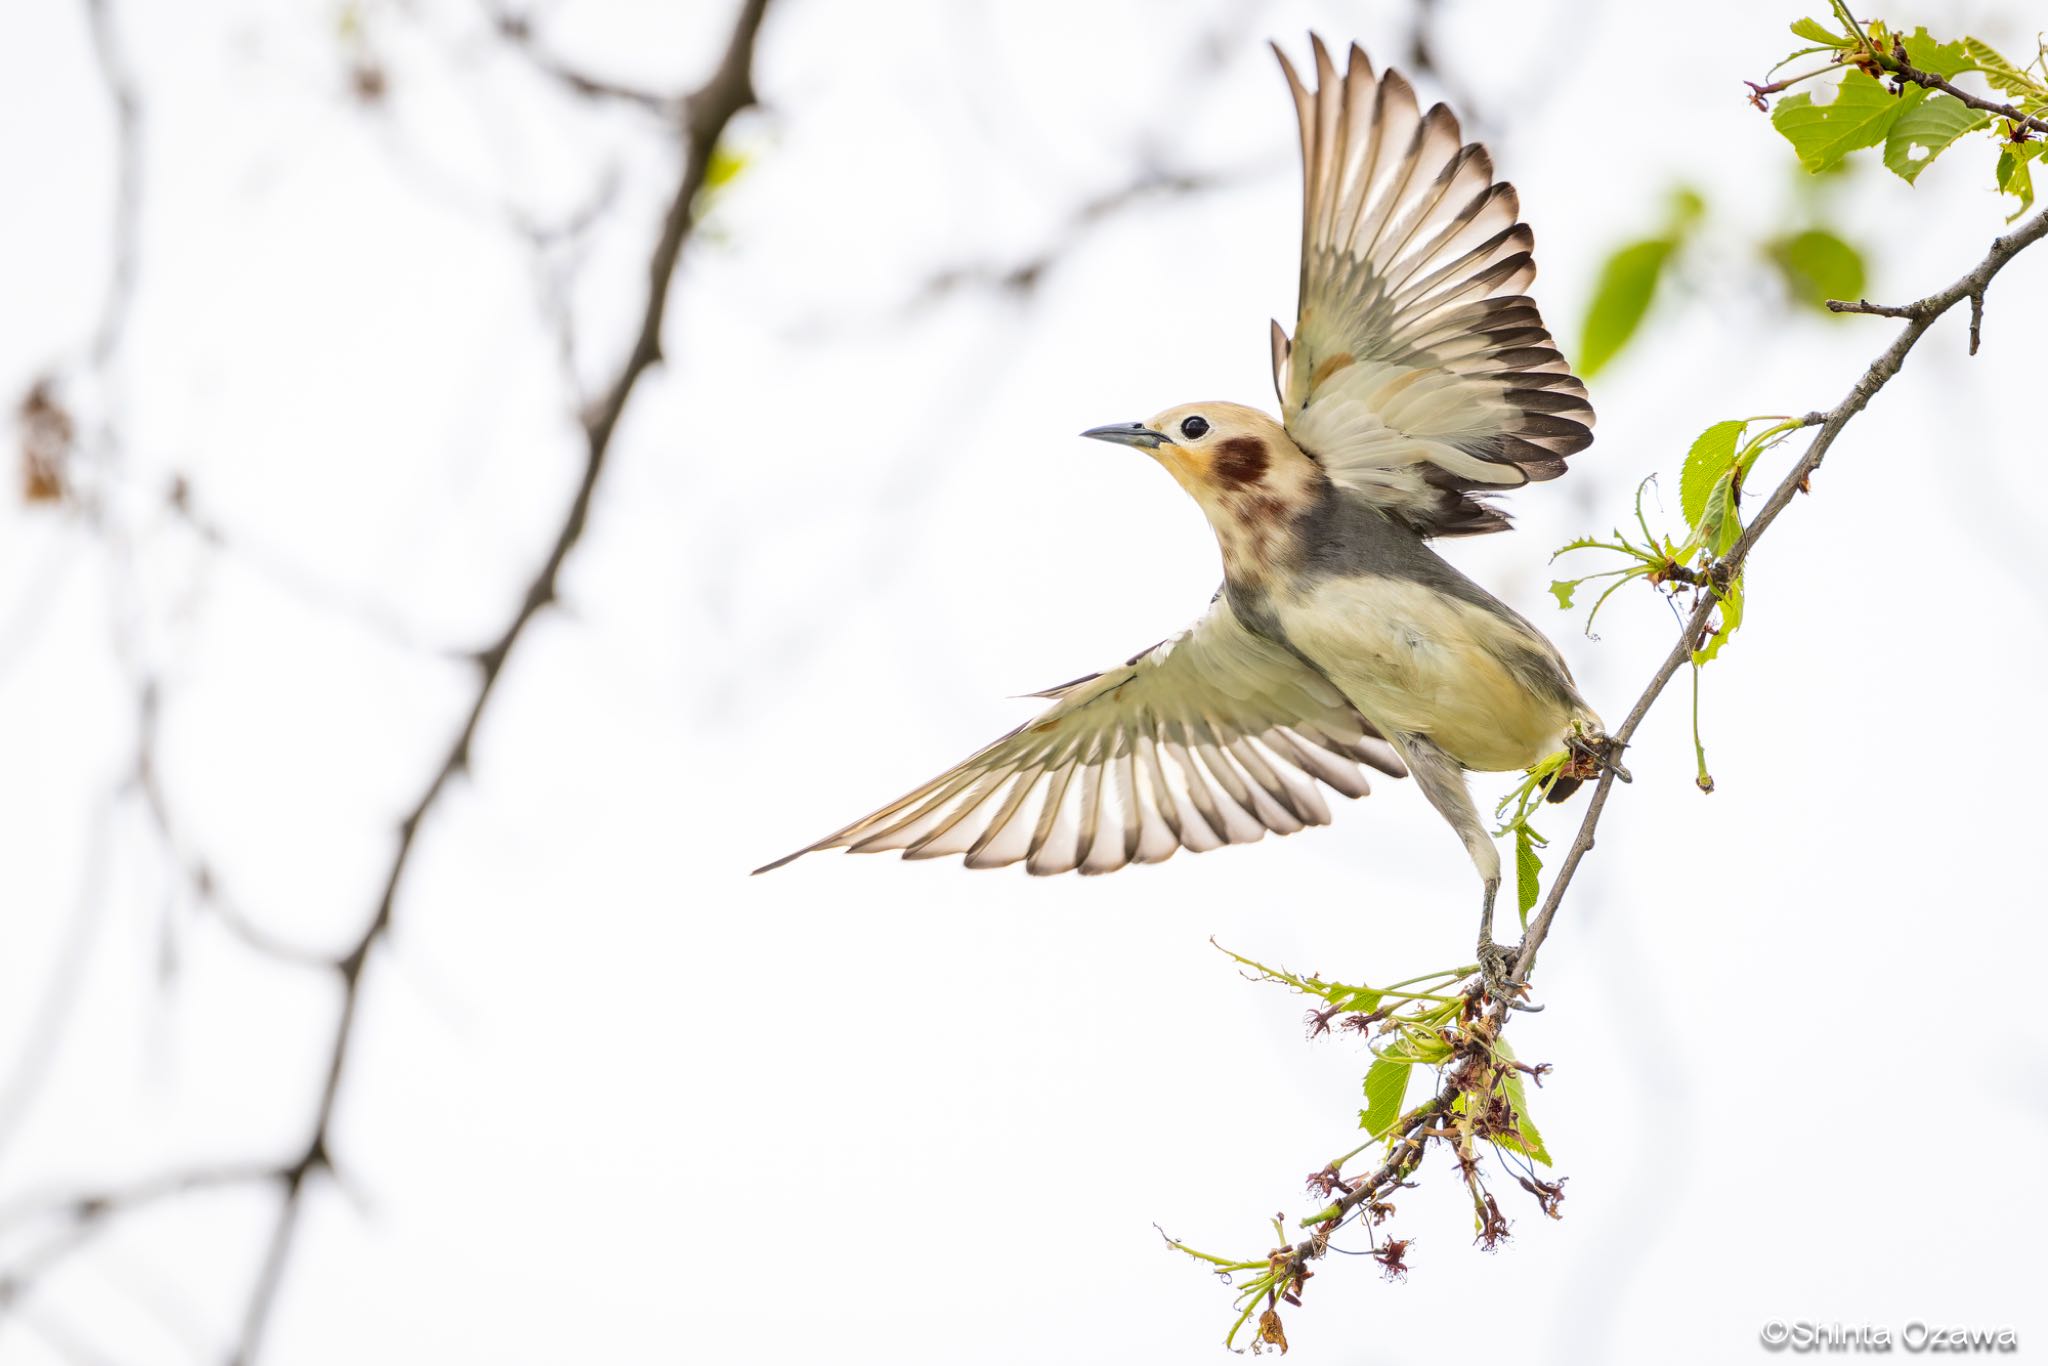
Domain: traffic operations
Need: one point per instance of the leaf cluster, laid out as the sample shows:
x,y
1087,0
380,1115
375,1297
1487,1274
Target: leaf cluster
x,y
1481,1099
1710,485
1811,261
1879,103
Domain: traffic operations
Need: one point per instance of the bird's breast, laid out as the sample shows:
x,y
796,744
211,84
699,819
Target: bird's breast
x,y
1418,661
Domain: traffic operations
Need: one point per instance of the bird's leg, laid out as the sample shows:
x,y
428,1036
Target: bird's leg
x,y
1497,962
1442,780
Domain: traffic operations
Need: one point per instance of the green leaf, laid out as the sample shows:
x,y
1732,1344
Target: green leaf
x,y
1364,1000
2002,74
1930,54
2014,176
1929,126
1418,1045
725,166
1562,590
1860,115
1386,1090
1518,1096
1818,266
1731,620
1528,872
1721,522
1813,31
1686,208
1713,451
1627,283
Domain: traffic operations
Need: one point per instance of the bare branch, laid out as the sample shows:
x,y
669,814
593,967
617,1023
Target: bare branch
x,y
704,117
120,87
1023,277
517,30
697,121
82,1215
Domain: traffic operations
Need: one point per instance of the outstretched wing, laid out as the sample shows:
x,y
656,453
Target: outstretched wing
x,y
1211,738
1419,374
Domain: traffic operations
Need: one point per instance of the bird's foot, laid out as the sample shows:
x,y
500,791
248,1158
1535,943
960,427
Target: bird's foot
x,y
1593,755
1497,975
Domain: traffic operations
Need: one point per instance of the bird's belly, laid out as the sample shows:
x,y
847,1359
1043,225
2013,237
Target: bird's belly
x,y
1417,662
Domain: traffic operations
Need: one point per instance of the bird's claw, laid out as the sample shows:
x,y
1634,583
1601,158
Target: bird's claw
x,y
1496,975
1598,754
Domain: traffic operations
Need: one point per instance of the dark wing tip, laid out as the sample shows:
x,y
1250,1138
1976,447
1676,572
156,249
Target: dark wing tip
x,y
786,858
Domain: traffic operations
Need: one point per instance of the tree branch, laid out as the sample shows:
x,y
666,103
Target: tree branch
x,y
704,117
1898,66
1920,315
82,1215
517,30
698,121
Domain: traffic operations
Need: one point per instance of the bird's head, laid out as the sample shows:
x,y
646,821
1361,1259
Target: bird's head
x,y
1239,464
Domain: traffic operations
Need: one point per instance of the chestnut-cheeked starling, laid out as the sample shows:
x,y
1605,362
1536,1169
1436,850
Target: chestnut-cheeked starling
x,y
1420,379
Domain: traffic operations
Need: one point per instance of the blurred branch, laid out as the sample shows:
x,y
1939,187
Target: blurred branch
x,y
517,30
698,121
704,116
121,92
197,872
1023,277
1410,1136
82,1215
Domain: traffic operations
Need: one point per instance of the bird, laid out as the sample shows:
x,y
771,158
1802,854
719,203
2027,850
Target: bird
x,y
1419,383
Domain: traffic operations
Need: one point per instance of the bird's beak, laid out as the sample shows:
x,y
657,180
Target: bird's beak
x,y
1127,434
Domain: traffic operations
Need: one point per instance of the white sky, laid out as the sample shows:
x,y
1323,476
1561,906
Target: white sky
x,y
614,1100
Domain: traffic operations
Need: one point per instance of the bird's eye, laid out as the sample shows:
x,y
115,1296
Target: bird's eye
x,y
1194,428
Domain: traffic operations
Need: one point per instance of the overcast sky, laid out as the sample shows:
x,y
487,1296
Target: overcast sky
x,y
615,1101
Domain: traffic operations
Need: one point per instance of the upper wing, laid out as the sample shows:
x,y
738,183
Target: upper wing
x,y
1419,374
1211,738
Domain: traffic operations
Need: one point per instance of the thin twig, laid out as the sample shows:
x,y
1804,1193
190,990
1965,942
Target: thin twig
x,y
517,31
83,1215
121,90
1022,277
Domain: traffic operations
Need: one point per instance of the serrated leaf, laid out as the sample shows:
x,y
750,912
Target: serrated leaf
x,y
1731,621
1860,115
1580,543
1621,296
1528,872
2002,74
1929,126
1386,1091
1562,590
1818,266
1931,54
1518,1096
1721,522
1814,32
1364,1000
2015,177
1713,451
1418,1046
